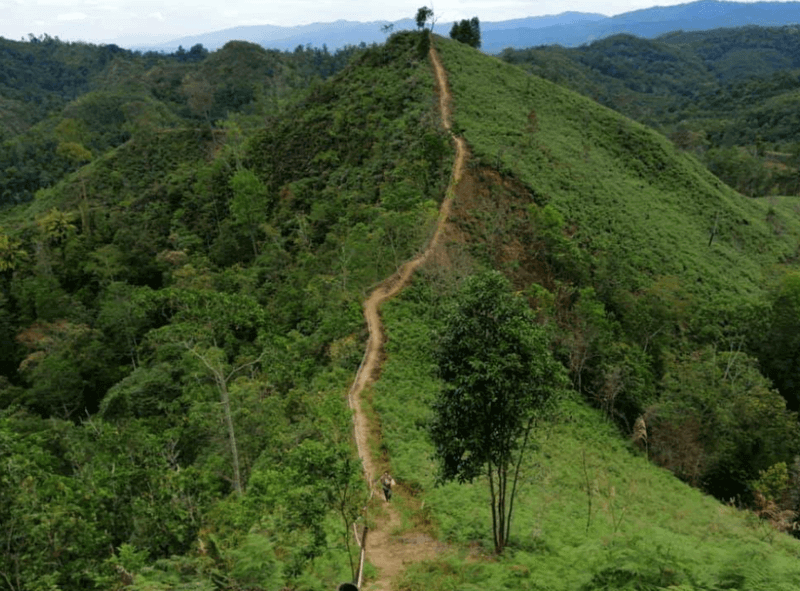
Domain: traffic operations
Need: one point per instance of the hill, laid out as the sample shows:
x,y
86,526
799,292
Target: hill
x,y
726,95
181,323
593,513
649,23
188,251
53,127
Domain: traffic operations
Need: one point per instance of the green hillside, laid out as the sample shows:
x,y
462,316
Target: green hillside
x,y
593,512
57,96
181,295
726,95
626,192
199,285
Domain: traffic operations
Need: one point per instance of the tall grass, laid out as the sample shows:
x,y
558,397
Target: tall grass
x,y
592,512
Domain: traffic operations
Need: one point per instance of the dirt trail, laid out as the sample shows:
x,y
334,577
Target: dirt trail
x,y
390,553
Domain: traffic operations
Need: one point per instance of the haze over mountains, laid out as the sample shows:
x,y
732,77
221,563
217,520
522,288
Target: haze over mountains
x,y
569,29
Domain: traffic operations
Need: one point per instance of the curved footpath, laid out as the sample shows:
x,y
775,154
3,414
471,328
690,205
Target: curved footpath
x,y
388,553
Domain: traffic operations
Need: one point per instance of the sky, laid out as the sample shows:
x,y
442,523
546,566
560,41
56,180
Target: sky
x,y
152,21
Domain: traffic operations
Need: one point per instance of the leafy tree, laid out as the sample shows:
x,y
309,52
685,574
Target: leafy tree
x,y
250,202
500,376
467,31
719,422
779,346
213,360
424,14
12,254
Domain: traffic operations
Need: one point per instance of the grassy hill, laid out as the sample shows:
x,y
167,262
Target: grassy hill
x,y
180,321
709,91
593,513
625,192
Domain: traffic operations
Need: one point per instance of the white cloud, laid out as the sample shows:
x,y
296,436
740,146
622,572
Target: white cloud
x,y
156,15
53,3
72,16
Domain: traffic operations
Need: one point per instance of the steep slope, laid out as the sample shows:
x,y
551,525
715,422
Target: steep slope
x,y
388,553
626,193
180,323
593,513
727,95
645,256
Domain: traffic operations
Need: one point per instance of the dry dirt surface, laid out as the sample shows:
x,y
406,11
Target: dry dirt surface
x,y
387,551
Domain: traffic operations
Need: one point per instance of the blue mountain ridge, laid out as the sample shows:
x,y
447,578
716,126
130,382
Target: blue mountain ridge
x,y
569,29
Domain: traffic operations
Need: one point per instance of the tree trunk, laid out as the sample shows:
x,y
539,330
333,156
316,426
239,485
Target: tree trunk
x,y
226,409
516,477
494,508
218,371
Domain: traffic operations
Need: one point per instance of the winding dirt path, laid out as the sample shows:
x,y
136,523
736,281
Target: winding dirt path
x,y
387,552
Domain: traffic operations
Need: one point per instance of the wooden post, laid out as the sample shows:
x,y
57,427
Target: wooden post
x,y
360,577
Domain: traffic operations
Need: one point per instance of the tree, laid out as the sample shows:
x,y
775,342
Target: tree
x,y
250,202
424,15
467,31
214,360
499,376
779,346
718,422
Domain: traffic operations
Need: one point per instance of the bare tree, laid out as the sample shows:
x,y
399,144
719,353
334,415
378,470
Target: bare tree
x,y
213,359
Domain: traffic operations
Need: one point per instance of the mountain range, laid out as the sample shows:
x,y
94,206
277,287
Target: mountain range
x,y
569,29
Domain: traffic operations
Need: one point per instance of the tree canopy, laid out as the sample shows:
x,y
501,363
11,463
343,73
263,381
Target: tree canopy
x,y
467,31
499,376
424,14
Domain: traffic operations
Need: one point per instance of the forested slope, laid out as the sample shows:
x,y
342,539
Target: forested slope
x,y
195,287
727,95
63,104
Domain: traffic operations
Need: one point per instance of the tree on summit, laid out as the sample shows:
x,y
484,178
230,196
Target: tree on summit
x,y
424,15
467,31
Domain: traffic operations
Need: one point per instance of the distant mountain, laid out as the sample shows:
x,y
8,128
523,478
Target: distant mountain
x,y
340,33
569,29
333,35
647,23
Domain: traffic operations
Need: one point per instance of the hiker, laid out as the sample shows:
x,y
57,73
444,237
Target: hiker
x,y
386,482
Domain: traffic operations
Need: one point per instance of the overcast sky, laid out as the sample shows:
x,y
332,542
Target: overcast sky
x,y
141,21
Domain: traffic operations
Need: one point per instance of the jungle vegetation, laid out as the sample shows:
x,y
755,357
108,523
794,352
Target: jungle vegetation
x,y
185,244
729,96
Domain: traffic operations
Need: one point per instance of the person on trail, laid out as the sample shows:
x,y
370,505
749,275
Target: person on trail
x,y
386,482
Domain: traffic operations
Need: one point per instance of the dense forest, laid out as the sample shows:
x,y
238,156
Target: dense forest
x,y
202,267
186,242
64,102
